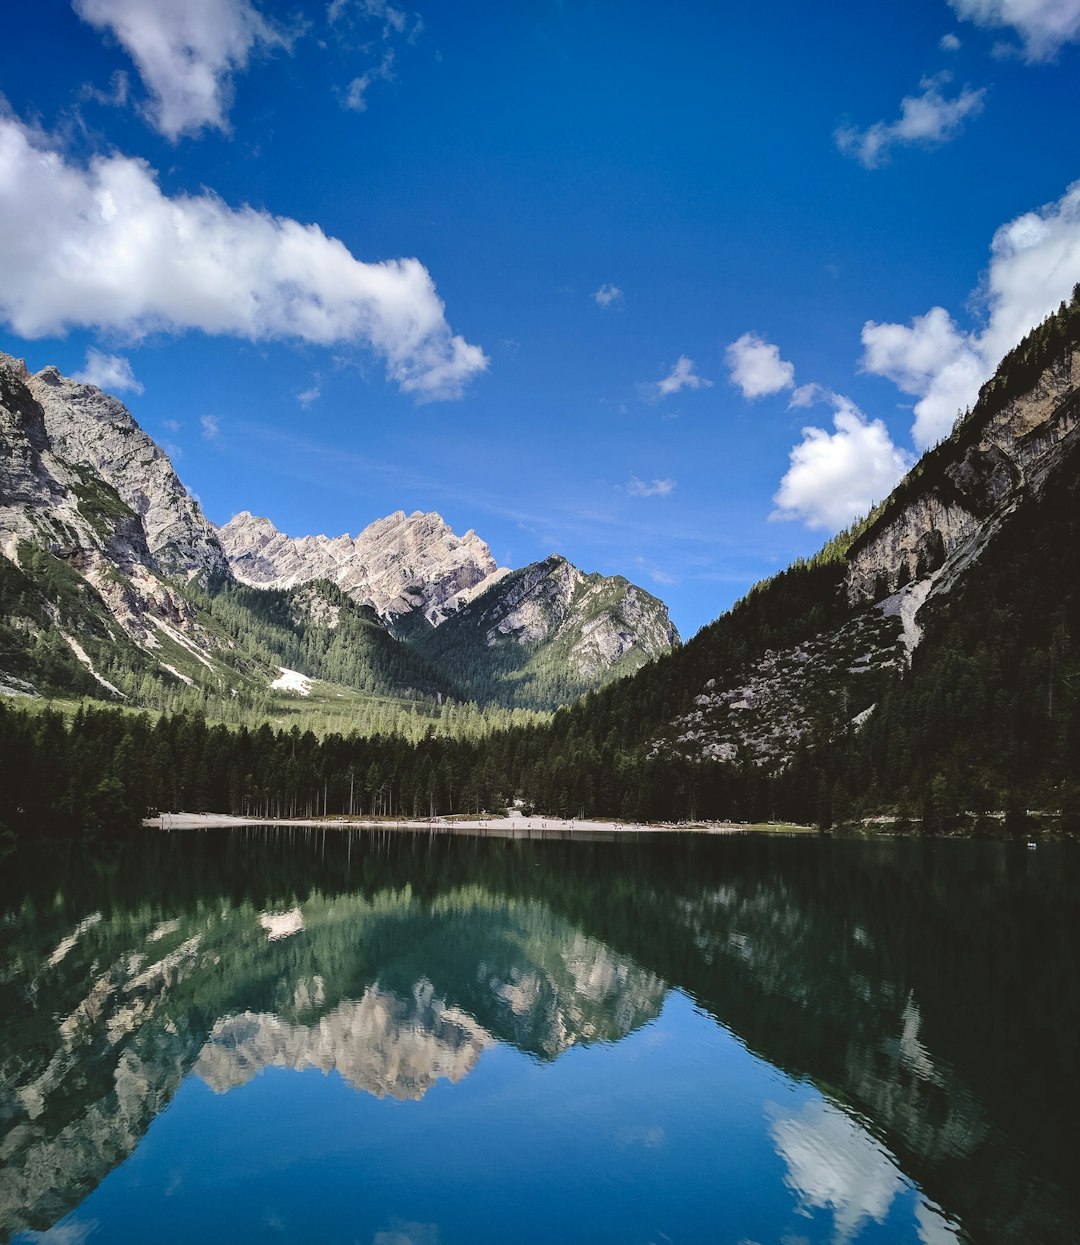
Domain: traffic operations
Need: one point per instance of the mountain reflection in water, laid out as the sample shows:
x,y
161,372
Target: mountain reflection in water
x,y
923,996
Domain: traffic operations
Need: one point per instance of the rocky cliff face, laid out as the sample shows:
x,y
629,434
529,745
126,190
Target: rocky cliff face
x,y
93,429
397,565
101,584
961,492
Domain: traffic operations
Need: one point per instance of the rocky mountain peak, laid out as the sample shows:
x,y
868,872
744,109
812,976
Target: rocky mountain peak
x,y
397,565
17,366
88,427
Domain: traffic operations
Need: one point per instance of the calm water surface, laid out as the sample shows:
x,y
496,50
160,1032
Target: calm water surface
x,y
247,1036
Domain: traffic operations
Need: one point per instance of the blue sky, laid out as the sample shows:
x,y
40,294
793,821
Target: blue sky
x,y
676,292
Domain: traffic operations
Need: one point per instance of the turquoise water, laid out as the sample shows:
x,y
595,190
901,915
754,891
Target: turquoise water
x,y
287,1036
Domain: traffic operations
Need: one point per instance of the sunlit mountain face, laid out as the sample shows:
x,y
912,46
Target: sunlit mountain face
x,y
744,1039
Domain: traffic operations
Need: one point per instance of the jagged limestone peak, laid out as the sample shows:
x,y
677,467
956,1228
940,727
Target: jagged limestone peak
x,y
398,564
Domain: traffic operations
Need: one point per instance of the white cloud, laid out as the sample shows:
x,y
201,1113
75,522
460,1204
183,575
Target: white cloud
x,y
1034,264
682,376
100,246
658,488
395,26
930,358
115,97
756,367
355,97
186,52
211,427
395,21
608,295
949,43
928,119
111,372
834,1164
835,478
1045,26
309,395
808,395
173,425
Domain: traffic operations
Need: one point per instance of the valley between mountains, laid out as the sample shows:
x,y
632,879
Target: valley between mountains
x,y
922,666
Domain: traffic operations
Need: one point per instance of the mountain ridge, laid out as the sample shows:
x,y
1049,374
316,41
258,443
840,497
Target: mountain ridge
x,y
112,571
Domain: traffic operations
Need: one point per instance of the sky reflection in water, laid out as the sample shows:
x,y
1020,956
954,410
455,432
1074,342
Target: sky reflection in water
x,y
434,1043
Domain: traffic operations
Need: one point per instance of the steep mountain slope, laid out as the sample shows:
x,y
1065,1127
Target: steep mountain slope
x,y
541,636
932,643
94,430
314,628
78,570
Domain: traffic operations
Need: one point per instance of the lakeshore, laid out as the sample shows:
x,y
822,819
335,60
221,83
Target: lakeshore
x,y
494,827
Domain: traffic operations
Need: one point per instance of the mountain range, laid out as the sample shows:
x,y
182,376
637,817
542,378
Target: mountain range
x,y
922,665
115,584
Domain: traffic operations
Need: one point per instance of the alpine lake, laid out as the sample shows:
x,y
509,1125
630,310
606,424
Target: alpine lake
x,y
296,1035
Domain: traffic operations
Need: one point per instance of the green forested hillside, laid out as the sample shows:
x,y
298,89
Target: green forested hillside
x,y
318,630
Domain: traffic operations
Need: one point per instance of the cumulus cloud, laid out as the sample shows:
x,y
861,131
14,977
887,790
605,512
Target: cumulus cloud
x,y
682,376
929,119
808,395
211,427
658,488
949,43
1044,26
1034,265
186,52
756,368
100,246
307,396
835,478
608,295
111,372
